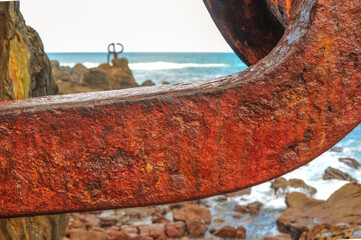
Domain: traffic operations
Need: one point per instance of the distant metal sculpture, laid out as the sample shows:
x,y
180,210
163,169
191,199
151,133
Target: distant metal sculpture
x,y
114,52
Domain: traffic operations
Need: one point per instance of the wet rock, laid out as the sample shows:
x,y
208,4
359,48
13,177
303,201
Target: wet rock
x,y
352,163
225,232
192,212
337,149
246,191
165,82
281,186
156,231
160,219
279,237
147,83
304,212
334,231
334,173
252,208
91,234
118,235
196,228
241,232
107,221
176,229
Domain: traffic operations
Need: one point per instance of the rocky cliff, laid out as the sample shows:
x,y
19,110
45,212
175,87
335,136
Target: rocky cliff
x,y
25,72
25,69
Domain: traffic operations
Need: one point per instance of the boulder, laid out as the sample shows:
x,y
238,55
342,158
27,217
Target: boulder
x,y
147,83
192,212
282,186
279,237
196,228
334,231
175,229
304,212
106,77
334,173
352,163
246,191
225,232
252,208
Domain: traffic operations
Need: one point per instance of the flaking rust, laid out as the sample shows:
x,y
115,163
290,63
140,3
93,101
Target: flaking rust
x,y
171,143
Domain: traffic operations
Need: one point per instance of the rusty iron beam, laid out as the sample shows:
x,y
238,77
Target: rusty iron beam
x,y
251,28
156,145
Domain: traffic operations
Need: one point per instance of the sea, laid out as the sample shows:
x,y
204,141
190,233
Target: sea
x,y
189,67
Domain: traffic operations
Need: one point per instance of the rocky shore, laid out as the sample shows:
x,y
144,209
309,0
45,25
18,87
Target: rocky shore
x,y
338,217
79,78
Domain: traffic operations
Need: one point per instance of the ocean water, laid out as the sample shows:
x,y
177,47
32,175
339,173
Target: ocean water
x,y
160,67
187,67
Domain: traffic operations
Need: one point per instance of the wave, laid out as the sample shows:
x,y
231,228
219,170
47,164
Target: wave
x,y
86,64
155,65
172,65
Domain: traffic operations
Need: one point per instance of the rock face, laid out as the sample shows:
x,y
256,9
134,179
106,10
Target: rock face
x,y
24,66
334,173
25,72
281,186
34,228
104,77
303,213
352,163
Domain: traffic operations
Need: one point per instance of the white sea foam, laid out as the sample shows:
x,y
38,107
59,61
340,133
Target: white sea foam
x,y
86,64
171,65
155,65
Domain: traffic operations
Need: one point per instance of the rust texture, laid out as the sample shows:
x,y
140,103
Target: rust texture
x,y
281,10
250,27
171,143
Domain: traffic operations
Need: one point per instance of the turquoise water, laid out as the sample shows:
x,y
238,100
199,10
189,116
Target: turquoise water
x,y
159,67
187,67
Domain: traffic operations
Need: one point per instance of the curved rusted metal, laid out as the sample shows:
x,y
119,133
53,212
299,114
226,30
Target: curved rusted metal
x,y
170,143
251,28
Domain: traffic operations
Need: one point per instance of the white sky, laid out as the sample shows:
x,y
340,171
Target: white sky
x,y
140,25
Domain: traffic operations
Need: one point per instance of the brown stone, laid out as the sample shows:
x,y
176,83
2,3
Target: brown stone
x,y
279,237
118,235
252,208
107,221
281,186
191,212
304,212
334,173
225,232
241,232
353,163
196,228
176,229
246,191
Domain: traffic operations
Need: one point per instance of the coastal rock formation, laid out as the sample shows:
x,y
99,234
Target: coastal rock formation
x,y
334,173
104,77
24,66
281,186
304,212
25,72
352,163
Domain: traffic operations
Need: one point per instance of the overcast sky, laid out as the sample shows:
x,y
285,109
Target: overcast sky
x,y
140,25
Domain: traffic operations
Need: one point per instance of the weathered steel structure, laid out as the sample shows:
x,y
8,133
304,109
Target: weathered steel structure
x,y
164,144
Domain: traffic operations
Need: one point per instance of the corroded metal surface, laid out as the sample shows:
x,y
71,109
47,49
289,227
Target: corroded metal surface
x,y
249,26
178,142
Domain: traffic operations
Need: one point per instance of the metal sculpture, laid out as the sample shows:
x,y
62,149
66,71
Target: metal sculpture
x,y
114,51
163,144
